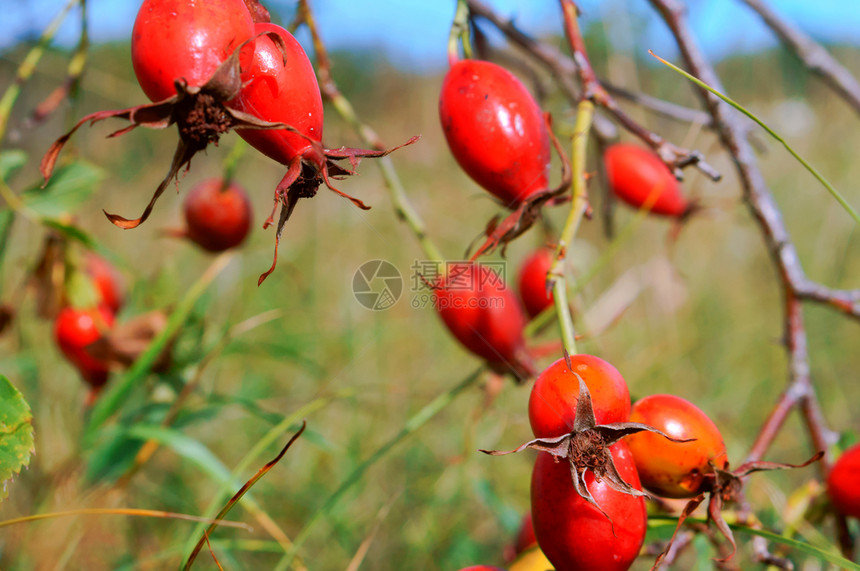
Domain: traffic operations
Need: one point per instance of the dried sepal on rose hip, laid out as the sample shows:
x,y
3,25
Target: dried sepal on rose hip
x,y
286,91
587,447
190,82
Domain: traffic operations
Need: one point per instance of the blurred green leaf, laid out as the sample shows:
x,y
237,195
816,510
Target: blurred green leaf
x,y
69,187
185,446
508,516
7,217
11,161
71,231
16,434
112,458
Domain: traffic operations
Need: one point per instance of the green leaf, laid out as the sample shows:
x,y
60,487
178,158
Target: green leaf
x,y
112,458
69,187
11,161
71,231
16,434
185,446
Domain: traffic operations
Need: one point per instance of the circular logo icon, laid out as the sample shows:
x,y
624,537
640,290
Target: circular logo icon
x,y
377,285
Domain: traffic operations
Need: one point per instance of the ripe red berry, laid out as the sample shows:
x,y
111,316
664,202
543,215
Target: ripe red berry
x,y
843,483
638,176
186,39
532,281
495,130
575,535
675,469
107,281
74,331
484,315
552,403
217,217
282,87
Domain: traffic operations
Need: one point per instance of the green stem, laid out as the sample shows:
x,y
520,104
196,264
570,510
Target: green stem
x,y
28,66
459,31
412,425
584,116
231,163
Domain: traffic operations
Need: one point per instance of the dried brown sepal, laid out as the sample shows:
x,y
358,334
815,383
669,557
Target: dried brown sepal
x,y
125,342
258,13
524,216
587,447
304,177
724,486
48,276
200,114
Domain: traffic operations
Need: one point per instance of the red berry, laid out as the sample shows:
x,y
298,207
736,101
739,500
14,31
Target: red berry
x,y
485,316
481,568
282,87
107,280
218,218
637,175
675,469
532,281
843,483
495,130
552,403
186,39
571,532
74,331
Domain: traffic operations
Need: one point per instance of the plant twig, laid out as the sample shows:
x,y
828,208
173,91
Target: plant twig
x,y
733,132
811,53
28,66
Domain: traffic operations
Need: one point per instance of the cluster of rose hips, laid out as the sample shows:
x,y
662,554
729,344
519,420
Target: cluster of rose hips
x,y
212,67
598,455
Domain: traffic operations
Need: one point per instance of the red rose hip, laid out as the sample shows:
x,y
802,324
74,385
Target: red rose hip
x,y
532,281
575,535
74,331
552,402
218,217
495,130
675,469
638,177
843,483
186,39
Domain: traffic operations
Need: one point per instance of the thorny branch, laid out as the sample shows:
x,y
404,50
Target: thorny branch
x,y
564,68
812,54
796,285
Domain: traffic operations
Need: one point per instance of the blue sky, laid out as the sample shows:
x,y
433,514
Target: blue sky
x,y
414,32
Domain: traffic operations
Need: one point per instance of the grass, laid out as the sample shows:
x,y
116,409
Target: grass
x,y
706,326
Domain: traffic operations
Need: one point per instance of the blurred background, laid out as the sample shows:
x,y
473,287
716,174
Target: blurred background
x,y
700,316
